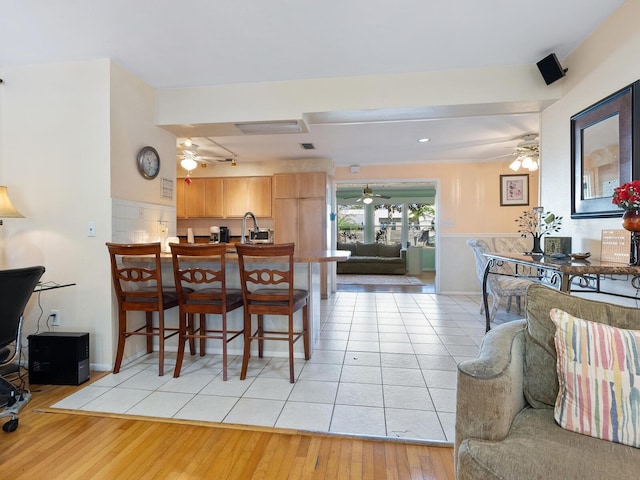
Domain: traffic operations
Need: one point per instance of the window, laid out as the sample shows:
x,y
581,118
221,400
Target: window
x,y
421,224
350,223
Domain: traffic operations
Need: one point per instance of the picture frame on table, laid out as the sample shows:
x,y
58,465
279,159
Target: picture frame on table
x,y
514,190
604,152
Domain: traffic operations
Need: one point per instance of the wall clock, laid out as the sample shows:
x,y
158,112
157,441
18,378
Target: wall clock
x,y
148,162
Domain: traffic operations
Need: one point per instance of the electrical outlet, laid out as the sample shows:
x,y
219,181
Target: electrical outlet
x,y
54,315
163,227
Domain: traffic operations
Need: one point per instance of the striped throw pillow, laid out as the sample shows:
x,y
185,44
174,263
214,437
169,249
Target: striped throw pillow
x,y
599,376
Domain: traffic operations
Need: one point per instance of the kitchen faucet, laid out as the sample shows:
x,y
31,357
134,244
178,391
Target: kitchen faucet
x,y
244,225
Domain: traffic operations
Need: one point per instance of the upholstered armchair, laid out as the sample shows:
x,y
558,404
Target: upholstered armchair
x,y
505,425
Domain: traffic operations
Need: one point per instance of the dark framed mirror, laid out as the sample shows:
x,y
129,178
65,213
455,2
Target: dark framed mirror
x,y
604,147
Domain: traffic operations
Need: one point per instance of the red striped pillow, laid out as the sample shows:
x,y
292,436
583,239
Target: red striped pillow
x,y
599,375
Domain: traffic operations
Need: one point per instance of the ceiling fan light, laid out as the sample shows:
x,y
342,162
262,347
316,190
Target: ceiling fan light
x,y
526,162
534,166
515,165
187,142
367,200
188,163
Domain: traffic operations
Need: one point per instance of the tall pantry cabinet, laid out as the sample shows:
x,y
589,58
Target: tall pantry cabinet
x,y
300,210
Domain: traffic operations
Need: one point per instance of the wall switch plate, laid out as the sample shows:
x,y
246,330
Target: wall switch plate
x,y
91,229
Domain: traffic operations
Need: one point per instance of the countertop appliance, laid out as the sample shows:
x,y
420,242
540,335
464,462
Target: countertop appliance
x,y
224,234
214,234
261,235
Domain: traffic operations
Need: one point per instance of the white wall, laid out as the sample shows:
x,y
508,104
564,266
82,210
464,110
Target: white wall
x,y
69,136
54,157
601,65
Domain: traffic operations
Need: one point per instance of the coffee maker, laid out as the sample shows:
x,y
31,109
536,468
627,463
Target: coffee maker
x,y
224,234
215,234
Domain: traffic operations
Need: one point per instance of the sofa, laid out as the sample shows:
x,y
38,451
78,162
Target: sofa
x,y
505,426
373,258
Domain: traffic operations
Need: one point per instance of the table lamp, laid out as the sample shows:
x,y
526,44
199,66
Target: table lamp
x,y
7,210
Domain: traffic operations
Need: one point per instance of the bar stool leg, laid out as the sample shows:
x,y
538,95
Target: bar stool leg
x,y
184,318
247,345
149,325
160,342
122,327
292,378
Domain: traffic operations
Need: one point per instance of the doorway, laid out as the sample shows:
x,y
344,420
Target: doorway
x,y
401,214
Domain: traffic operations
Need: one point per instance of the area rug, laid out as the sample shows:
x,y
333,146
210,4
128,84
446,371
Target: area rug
x,y
350,279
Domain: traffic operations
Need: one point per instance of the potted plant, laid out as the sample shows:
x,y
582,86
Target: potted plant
x,y
537,223
627,197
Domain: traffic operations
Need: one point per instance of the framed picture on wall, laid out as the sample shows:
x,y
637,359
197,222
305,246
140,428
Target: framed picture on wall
x,y
514,190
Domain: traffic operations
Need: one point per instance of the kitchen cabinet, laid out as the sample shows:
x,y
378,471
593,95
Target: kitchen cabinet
x,y
300,185
247,194
228,197
301,221
300,209
201,199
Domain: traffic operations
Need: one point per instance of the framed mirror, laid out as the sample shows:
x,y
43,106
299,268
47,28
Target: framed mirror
x,y
603,152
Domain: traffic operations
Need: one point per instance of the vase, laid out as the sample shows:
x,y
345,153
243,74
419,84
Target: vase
x,y
537,250
631,222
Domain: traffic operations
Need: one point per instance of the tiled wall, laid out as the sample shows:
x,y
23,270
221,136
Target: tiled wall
x,y
139,222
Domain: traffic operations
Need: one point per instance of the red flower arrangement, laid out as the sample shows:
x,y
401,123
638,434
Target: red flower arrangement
x,y
627,196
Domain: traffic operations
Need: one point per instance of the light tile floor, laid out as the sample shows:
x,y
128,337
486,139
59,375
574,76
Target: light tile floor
x,y
384,366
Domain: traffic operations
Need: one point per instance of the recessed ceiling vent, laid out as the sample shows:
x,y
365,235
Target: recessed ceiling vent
x,y
308,146
272,128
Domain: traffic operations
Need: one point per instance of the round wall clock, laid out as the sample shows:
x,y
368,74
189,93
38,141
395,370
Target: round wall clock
x,y
148,162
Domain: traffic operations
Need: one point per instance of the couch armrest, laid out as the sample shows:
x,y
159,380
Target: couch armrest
x,y
490,387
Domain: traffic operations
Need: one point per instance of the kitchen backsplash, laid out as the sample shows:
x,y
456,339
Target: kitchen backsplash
x,y
139,222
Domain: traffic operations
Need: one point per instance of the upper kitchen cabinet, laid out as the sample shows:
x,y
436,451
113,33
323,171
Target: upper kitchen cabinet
x,y
247,194
201,199
300,185
300,209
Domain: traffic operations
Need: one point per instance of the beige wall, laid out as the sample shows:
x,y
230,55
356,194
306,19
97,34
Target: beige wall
x,y
601,65
54,156
468,206
69,136
133,126
289,100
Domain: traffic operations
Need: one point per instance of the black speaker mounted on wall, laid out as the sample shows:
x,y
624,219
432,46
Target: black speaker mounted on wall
x,y
551,69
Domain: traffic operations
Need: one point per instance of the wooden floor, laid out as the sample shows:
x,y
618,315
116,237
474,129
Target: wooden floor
x,y
78,446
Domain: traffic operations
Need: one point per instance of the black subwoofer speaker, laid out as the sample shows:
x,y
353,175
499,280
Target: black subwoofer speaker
x,y
59,358
551,69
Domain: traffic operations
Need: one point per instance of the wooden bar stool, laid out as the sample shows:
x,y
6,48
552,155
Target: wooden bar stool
x,y
138,286
260,299
203,267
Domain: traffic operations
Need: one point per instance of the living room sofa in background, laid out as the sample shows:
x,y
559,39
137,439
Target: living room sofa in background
x,y
373,259
505,427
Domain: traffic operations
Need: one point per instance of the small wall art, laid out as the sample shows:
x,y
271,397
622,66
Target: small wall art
x,y
514,190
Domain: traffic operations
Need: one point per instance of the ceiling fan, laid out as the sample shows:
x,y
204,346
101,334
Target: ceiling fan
x,y
527,153
189,158
368,196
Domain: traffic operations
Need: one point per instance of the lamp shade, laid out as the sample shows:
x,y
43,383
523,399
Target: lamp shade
x,y
7,210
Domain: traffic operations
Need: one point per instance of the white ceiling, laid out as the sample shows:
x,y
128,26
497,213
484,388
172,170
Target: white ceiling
x,y
184,43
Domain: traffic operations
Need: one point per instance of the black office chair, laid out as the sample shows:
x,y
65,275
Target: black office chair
x,y
16,287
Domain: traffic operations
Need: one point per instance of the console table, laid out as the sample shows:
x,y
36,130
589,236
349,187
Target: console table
x,y
567,274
